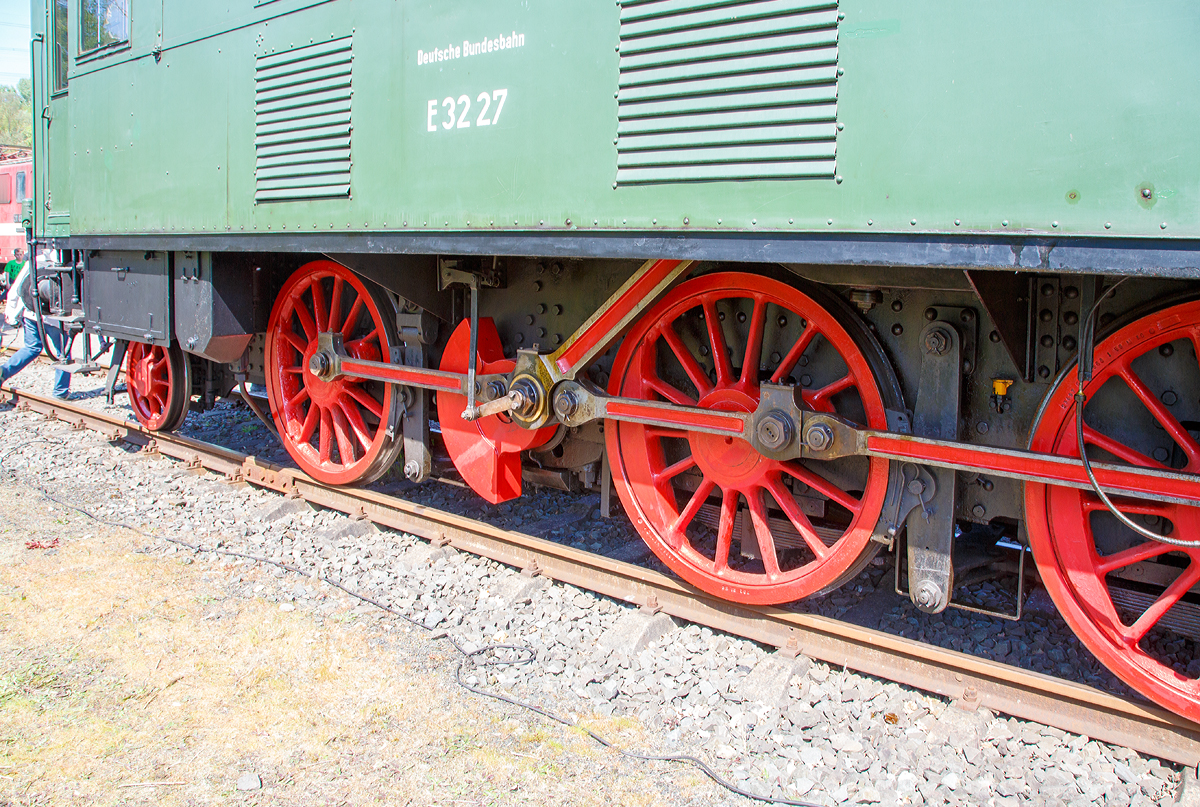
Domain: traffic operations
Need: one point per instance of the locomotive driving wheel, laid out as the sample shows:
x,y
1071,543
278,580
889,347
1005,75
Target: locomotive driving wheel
x,y
342,432
159,385
718,513
1125,595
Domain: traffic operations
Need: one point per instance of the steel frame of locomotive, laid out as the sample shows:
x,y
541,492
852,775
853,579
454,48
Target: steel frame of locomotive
x,y
806,292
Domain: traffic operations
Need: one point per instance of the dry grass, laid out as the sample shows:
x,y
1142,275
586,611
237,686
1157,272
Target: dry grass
x,y
119,669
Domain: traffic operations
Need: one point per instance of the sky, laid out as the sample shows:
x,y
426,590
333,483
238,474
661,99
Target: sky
x,y
14,40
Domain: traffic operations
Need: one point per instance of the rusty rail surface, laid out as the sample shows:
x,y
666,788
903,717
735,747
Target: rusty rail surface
x,y
970,681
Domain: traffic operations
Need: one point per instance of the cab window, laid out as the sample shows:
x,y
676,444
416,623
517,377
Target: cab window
x,y
21,197
103,23
60,45
5,189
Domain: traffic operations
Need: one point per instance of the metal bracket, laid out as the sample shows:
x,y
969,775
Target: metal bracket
x,y
931,531
418,460
911,486
449,275
420,328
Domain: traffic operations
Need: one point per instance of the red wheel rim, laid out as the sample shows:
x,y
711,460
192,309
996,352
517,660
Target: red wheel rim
x,y
681,337
1067,527
150,379
339,432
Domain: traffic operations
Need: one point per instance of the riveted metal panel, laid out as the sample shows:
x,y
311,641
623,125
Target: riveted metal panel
x,y
302,123
727,90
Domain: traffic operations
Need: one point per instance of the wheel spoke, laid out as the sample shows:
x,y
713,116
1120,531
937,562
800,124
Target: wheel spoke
x,y
787,503
675,470
310,424
1194,335
335,305
299,398
325,440
341,431
1164,417
365,400
294,370
676,534
819,399
318,298
793,355
295,341
1151,616
695,372
1130,556
716,337
358,343
306,320
672,394
352,318
1092,504
754,344
1118,449
823,486
725,530
762,531
357,425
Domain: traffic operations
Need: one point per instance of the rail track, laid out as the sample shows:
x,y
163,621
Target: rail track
x,y
969,681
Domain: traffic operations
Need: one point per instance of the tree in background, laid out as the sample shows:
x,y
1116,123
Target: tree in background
x,y
16,114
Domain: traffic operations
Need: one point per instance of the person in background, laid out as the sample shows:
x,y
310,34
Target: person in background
x,y
13,267
19,311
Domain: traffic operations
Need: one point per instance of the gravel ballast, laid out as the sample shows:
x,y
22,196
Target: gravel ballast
x,y
792,730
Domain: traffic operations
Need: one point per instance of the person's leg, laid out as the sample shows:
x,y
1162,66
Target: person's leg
x,y
28,352
62,379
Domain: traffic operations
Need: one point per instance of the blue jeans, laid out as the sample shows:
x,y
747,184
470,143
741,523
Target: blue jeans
x,y
30,350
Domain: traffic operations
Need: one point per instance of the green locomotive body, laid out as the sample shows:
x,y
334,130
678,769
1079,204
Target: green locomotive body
x,y
774,117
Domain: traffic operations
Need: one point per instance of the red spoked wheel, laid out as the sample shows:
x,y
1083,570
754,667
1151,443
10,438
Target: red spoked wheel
x,y
159,385
1124,595
722,516
346,431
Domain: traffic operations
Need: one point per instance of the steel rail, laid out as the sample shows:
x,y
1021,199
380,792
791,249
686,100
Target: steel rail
x,y
969,681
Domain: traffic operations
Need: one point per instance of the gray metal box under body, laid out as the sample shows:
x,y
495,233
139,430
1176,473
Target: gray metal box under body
x,y
214,306
127,295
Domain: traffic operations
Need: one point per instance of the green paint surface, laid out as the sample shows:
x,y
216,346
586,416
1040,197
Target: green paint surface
x,y
958,116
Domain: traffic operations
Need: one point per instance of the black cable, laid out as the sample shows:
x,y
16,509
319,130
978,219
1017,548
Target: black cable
x,y
1084,368
524,655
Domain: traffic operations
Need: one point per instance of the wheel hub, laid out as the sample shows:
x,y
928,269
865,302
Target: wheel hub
x,y
322,393
729,461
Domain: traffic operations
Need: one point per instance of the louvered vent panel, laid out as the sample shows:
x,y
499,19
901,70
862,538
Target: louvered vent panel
x,y
302,123
727,89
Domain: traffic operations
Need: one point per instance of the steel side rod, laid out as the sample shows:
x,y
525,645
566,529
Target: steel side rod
x,y
1157,484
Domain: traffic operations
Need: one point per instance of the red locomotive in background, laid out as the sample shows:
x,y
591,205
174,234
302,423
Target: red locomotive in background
x,y
16,183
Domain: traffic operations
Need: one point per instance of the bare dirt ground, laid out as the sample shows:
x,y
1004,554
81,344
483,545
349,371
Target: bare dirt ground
x,y
128,678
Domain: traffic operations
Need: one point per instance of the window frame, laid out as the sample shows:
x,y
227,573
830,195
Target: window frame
x,y
61,67
6,189
85,52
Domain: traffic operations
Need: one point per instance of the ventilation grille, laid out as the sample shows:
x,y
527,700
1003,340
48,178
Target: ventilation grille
x,y
727,89
302,123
